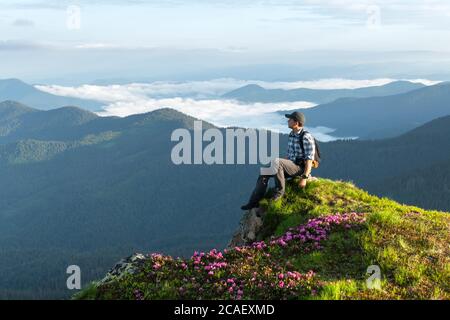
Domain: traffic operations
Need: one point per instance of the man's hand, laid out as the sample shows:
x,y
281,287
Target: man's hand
x,y
302,183
306,174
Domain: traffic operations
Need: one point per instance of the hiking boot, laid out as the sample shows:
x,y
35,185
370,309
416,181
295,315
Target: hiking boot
x,y
249,206
277,196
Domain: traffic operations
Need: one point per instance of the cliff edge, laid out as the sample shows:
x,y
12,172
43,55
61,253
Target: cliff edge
x,y
329,241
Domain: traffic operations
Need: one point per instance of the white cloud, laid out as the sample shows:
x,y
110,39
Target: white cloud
x,y
23,23
110,93
124,100
200,100
204,89
224,113
198,22
219,112
20,45
96,45
157,89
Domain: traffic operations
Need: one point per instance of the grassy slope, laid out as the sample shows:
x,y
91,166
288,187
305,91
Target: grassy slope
x,y
410,245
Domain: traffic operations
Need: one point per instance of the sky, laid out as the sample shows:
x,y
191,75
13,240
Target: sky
x,y
138,56
229,24
80,40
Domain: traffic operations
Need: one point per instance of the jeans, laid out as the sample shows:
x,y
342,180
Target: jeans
x,y
282,167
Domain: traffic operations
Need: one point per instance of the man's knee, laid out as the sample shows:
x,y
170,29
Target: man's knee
x,y
263,180
273,169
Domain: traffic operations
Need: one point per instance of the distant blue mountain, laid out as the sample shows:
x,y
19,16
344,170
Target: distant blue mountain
x,y
17,90
412,168
256,93
381,117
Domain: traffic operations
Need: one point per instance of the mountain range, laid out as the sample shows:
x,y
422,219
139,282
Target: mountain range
x,y
81,189
255,93
87,190
381,117
410,168
17,90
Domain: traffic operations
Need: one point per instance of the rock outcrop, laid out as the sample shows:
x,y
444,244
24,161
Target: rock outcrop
x,y
127,265
251,225
249,228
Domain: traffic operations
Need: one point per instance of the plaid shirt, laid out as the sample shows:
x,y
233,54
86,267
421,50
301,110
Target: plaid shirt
x,y
294,150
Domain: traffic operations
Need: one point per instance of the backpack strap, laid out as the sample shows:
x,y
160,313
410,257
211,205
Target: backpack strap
x,y
316,147
302,146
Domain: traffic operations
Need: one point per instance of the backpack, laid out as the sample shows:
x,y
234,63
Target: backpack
x,y
317,156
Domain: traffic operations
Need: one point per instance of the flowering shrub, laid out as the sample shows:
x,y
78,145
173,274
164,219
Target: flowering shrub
x,y
258,271
316,230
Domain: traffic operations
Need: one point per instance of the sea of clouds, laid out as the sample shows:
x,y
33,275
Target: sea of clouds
x,y
202,100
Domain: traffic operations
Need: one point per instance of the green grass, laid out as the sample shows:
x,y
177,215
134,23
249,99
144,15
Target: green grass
x,y
411,245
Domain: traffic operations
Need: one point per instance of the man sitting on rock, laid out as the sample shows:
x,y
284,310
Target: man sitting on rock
x,y
299,161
